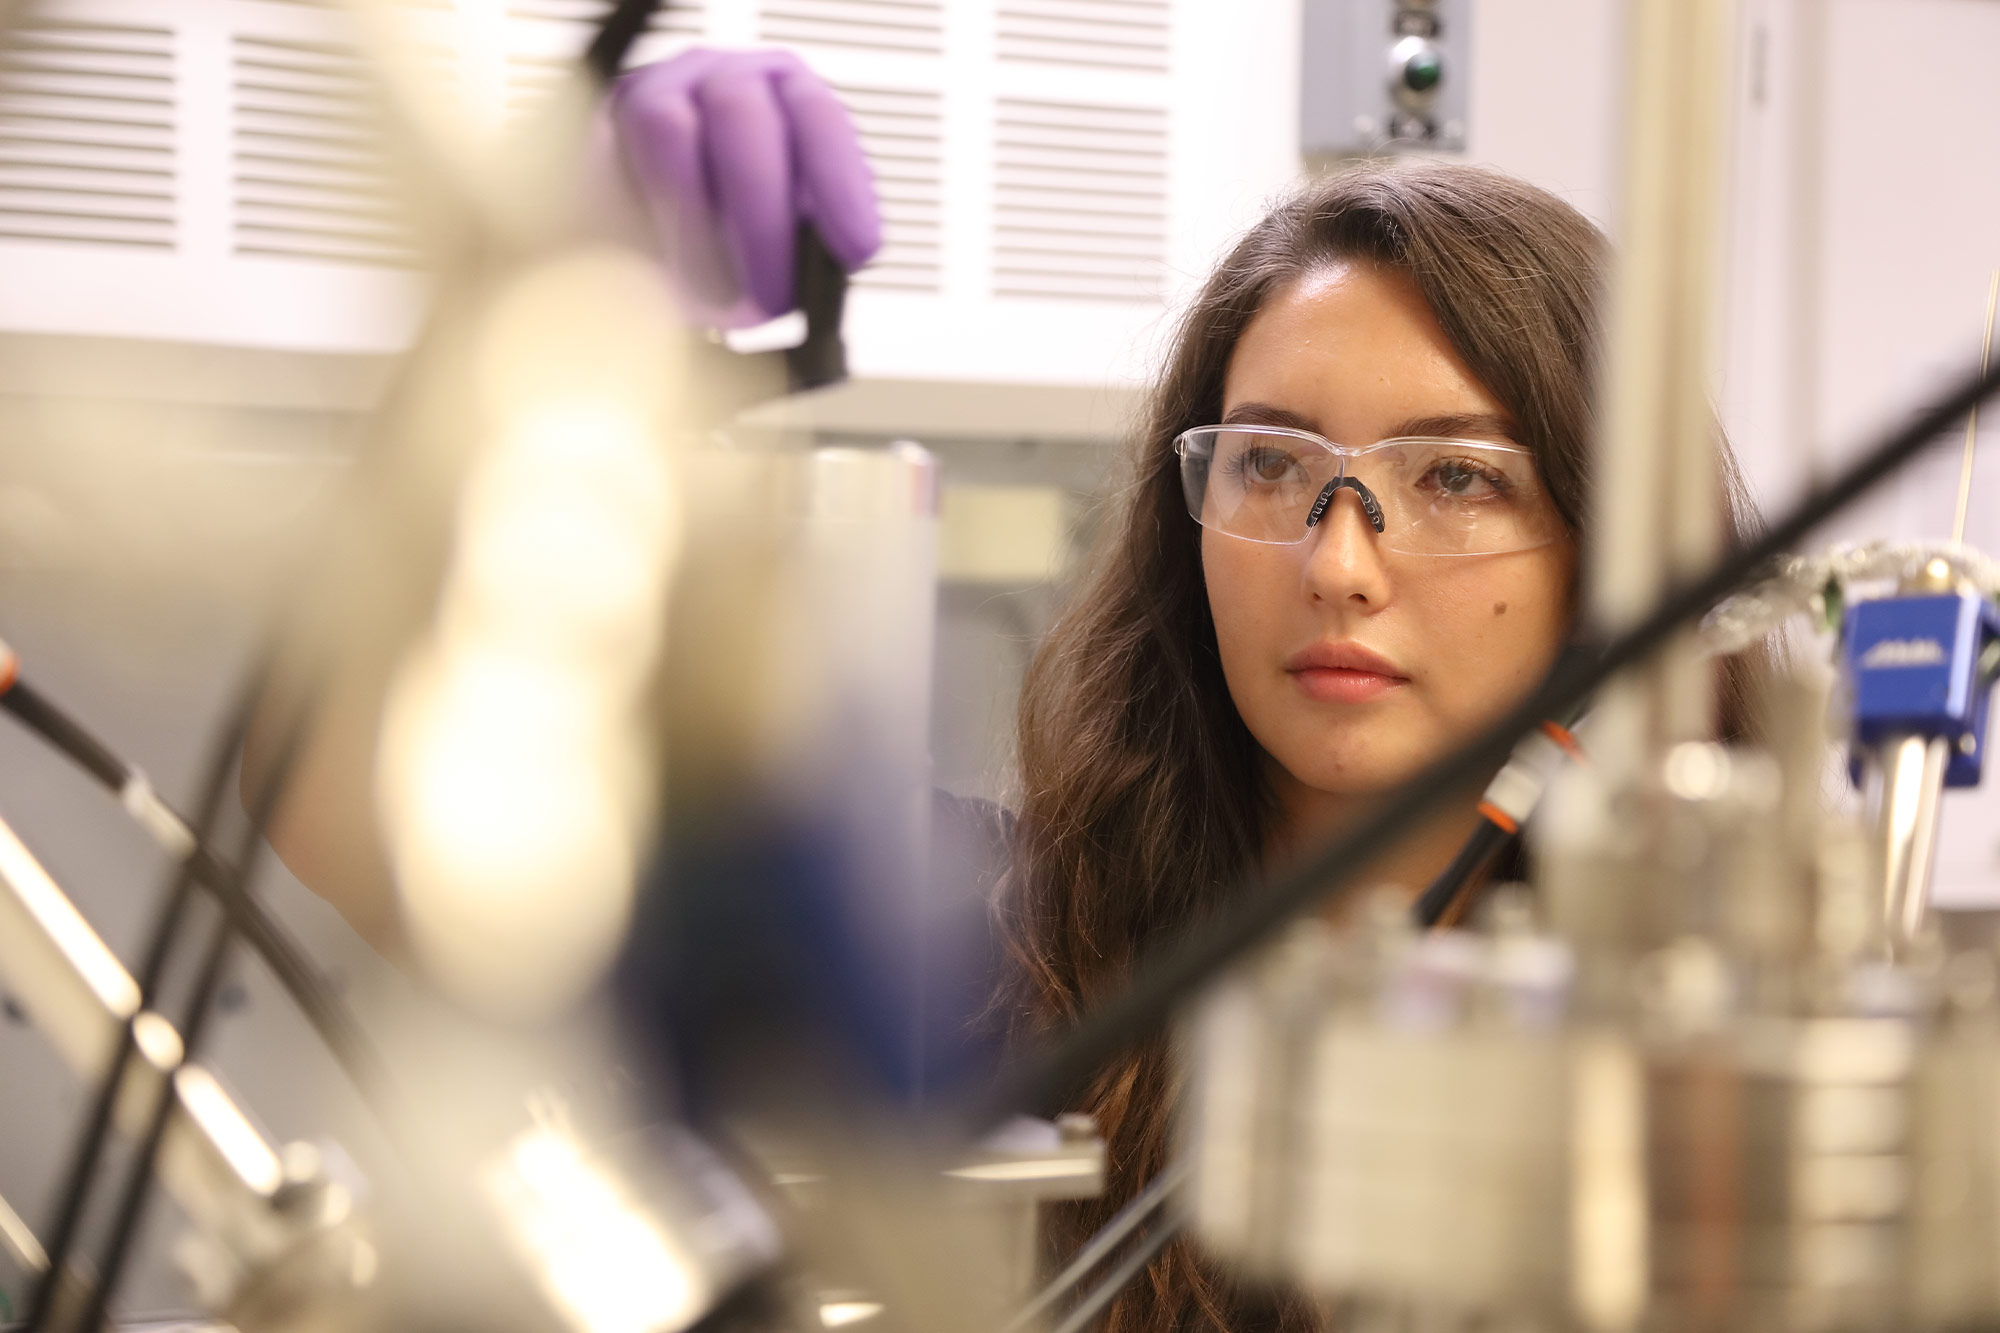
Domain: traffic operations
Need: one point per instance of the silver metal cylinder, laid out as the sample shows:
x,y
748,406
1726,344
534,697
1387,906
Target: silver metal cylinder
x,y
1443,1147
1910,772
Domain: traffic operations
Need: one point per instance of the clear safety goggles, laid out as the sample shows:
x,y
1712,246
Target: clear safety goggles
x,y
1424,495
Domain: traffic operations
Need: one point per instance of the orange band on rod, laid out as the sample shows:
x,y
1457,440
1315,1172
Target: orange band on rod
x,y
1496,815
1560,734
10,668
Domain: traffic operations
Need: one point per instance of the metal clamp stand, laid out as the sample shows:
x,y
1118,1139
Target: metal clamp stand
x,y
1920,665
241,1192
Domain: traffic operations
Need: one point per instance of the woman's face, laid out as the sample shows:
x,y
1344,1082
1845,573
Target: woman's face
x,y
1444,643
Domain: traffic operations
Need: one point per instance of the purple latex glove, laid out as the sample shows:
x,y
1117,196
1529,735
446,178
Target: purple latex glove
x,y
732,150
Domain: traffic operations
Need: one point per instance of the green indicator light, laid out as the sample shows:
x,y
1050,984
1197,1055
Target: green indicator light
x,y
1422,71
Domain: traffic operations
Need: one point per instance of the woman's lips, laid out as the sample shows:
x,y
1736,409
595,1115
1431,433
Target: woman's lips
x,y
1337,685
1343,673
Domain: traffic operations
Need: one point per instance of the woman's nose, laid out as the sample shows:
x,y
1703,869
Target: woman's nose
x,y
1344,555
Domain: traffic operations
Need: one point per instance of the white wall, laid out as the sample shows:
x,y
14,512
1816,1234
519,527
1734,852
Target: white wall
x,y
1545,100
1907,212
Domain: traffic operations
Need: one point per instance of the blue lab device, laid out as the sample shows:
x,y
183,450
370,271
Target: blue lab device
x,y
1914,664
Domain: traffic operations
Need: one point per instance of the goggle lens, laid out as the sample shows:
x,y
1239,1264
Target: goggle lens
x,y
1437,496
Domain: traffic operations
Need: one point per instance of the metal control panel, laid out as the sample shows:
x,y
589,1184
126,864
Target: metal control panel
x,y
1383,76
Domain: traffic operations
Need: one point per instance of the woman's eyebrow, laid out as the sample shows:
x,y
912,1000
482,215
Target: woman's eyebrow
x,y
1265,414
1473,425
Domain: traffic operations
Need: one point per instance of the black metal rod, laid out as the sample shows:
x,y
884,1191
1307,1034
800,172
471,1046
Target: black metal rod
x,y
200,1004
1170,975
820,288
616,34
131,1208
1472,859
97,1127
281,952
40,715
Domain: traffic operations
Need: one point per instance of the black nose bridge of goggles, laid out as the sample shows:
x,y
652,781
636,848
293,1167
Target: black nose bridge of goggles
x,y
1369,504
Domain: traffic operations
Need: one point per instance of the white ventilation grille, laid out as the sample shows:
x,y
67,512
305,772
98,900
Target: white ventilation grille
x,y
908,27
1107,34
87,134
903,133
310,176
1080,201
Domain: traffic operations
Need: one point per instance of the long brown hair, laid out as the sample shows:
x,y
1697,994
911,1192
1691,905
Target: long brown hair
x,y
1142,797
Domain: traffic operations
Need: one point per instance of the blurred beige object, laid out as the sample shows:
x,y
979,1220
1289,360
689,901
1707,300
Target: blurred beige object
x,y
514,764
472,654
624,1247
1002,534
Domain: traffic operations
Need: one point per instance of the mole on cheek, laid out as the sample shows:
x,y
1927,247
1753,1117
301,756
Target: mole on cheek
x,y
1499,608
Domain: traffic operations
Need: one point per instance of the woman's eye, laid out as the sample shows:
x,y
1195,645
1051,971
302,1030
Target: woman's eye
x,y
1267,465
1463,480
